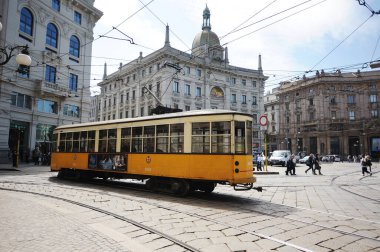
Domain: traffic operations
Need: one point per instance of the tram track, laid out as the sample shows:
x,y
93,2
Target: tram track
x,y
184,245
222,197
114,215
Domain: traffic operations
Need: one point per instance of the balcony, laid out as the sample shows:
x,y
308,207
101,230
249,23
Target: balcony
x,y
51,89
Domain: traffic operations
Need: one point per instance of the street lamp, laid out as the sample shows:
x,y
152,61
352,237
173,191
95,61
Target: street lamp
x,y
23,59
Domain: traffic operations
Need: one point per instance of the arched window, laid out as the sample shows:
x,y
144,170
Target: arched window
x,y
74,46
217,92
52,35
26,21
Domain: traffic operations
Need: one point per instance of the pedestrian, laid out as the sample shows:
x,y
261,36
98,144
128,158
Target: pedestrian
x,y
36,155
310,163
364,165
14,157
369,163
259,162
290,166
317,164
27,154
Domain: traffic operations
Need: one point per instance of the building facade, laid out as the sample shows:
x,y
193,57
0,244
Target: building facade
x,y
272,111
331,114
55,89
172,78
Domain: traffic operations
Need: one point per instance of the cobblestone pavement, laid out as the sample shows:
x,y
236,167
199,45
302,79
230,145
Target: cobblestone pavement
x,y
337,211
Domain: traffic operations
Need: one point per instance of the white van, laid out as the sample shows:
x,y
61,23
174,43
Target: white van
x,y
279,157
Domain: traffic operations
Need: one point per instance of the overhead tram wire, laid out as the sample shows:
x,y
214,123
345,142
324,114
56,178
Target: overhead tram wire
x,y
165,26
363,3
233,30
374,50
274,22
341,43
91,41
271,16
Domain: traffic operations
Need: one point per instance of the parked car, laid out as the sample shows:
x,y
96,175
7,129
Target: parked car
x,y
331,158
279,157
303,160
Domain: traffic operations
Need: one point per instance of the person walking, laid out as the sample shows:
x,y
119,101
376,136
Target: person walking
x,y
317,164
364,165
259,162
369,163
36,155
290,166
310,163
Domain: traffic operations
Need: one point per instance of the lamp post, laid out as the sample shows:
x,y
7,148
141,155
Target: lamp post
x,y
23,58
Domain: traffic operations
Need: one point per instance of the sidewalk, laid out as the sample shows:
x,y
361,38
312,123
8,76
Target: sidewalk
x,y
23,166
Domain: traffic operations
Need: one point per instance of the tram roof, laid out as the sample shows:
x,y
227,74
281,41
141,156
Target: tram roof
x,y
205,112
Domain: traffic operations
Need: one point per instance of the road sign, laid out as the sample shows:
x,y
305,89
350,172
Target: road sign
x,y
263,120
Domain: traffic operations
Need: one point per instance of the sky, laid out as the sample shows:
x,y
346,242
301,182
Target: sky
x,y
294,37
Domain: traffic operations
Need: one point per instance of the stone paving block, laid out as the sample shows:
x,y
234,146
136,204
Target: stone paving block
x,y
231,231
270,231
209,234
158,243
247,237
216,227
174,231
137,233
338,242
200,243
362,245
186,237
172,248
267,244
226,240
216,248
367,233
129,228
196,229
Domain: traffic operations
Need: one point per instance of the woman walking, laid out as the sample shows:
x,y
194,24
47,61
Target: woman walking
x,y
364,165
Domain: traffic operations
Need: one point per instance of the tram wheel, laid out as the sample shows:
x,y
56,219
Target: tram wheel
x,y
151,184
184,188
208,187
61,174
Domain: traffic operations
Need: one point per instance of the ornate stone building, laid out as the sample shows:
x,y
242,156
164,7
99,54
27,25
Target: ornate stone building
x,y
54,90
331,114
169,77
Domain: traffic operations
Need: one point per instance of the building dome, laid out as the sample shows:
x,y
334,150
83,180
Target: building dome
x,y
207,41
205,37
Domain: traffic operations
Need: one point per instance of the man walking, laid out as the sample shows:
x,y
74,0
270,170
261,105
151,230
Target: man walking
x,y
310,163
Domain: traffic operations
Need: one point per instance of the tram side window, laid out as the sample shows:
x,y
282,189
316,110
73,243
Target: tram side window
x,y
76,142
62,142
200,140
176,138
125,140
248,130
240,137
137,139
91,141
83,141
220,137
111,146
54,142
69,141
102,140
148,138
162,141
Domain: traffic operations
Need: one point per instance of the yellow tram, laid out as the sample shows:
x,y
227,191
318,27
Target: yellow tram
x,y
176,152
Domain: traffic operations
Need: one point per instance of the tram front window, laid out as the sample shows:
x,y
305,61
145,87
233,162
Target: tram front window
x,y
220,137
239,137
